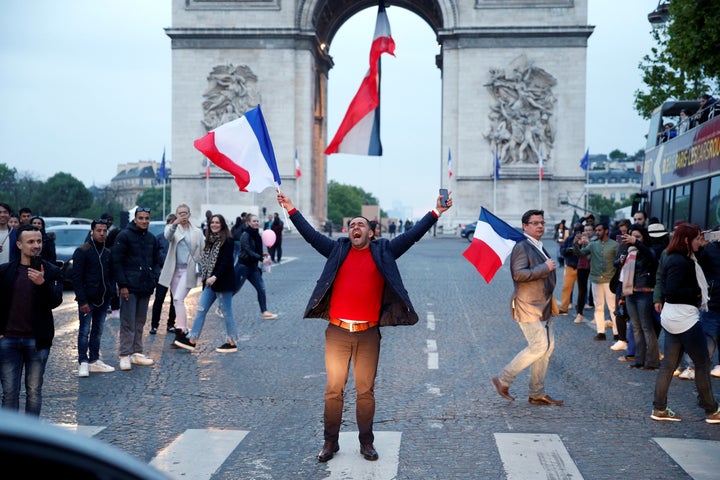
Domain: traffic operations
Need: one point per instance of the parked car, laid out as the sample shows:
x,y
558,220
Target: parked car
x,y
156,227
67,239
40,449
468,231
52,221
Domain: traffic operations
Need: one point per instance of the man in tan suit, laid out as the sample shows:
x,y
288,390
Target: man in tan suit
x,y
533,305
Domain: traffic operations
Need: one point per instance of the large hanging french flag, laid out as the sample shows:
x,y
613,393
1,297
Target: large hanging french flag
x,y
492,243
359,131
243,148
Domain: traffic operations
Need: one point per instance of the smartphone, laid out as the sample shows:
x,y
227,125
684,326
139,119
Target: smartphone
x,y
618,238
444,195
36,262
712,236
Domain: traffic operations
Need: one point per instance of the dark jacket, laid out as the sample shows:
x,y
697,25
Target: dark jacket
x,y
135,260
534,283
566,250
224,271
251,248
92,274
645,265
48,296
679,283
709,260
396,308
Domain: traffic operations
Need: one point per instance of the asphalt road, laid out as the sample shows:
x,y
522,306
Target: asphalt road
x,y
257,413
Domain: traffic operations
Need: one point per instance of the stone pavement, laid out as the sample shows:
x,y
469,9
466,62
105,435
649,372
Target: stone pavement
x,y
438,416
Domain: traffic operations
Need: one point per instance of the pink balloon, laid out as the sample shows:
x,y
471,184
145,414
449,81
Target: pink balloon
x,y
268,238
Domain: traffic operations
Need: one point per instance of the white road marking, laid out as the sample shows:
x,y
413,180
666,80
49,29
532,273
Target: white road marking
x,y
431,321
433,357
699,458
349,464
180,459
528,456
84,430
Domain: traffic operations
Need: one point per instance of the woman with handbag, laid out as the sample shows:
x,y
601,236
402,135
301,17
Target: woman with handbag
x,y
637,278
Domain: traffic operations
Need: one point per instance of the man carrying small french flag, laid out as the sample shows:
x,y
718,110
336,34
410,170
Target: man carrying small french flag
x,y
532,304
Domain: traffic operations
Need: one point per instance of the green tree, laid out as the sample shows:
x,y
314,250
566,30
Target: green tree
x,y
686,61
617,155
346,201
104,201
152,199
62,195
606,206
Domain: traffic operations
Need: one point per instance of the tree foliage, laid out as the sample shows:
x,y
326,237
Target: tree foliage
x,y
606,206
152,198
346,201
63,195
686,61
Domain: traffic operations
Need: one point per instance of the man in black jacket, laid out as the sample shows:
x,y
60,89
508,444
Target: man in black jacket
x,y
359,290
94,286
136,268
29,289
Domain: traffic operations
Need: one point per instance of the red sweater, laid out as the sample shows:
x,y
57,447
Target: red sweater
x,y
358,288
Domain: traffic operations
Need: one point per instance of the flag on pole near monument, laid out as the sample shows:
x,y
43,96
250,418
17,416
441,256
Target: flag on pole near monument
x,y
492,243
584,160
243,148
497,166
450,172
541,164
207,168
162,171
359,131
298,173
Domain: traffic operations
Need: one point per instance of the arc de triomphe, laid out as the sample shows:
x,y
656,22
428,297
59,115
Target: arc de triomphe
x,y
513,82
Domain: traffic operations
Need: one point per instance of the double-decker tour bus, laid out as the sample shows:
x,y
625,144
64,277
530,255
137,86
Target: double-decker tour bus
x,y
681,172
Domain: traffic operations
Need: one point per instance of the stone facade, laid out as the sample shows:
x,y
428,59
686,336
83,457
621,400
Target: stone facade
x,y
283,45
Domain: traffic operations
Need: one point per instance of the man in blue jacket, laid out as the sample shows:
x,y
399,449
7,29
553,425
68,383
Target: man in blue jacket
x,y
359,290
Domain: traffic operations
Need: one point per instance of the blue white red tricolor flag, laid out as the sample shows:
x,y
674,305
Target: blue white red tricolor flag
x,y
541,163
298,173
359,131
243,148
497,166
492,243
450,172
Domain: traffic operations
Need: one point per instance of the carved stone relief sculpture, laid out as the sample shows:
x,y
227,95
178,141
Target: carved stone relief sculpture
x,y
521,120
231,92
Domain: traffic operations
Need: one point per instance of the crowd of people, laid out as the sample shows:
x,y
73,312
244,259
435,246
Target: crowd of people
x,y
117,270
646,284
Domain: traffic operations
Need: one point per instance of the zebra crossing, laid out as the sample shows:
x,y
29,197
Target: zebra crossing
x,y
525,456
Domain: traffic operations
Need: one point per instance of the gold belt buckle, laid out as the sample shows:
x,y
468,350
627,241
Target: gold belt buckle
x,y
354,327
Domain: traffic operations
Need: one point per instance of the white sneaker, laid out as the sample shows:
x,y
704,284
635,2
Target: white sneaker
x,y
140,359
83,370
268,315
98,366
125,363
579,318
688,374
619,345
715,372
219,312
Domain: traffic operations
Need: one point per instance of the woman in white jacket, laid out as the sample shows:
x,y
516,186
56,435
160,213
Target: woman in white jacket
x,y
178,272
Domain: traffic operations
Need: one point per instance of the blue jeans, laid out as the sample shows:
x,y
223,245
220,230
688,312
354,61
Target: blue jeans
x,y
541,343
90,332
693,342
710,322
254,276
640,309
16,354
207,298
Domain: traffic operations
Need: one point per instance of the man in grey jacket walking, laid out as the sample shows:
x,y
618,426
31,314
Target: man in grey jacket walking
x,y
533,305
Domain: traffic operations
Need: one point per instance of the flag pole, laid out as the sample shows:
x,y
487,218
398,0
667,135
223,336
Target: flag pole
x,y
587,179
164,182
540,178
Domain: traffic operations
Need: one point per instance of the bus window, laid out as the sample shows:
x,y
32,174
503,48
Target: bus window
x,y
681,208
714,204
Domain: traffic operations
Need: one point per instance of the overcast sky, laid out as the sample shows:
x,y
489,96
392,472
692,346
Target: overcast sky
x,y
85,86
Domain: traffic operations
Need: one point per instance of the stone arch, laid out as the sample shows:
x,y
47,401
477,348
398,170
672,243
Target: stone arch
x,y
282,43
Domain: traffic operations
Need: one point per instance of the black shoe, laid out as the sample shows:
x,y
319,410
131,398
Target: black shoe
x,y
171,329
153,331
183,342
226,348
600,337
368,451
328,451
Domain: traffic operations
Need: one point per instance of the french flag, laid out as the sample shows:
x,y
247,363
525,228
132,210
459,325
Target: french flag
x,y
359,131
243,148
492,243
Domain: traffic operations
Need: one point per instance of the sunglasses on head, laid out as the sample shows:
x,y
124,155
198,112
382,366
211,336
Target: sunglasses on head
x,y
142,209
101,220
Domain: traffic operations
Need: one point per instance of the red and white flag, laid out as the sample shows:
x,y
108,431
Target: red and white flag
x,y
359,131
541,163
